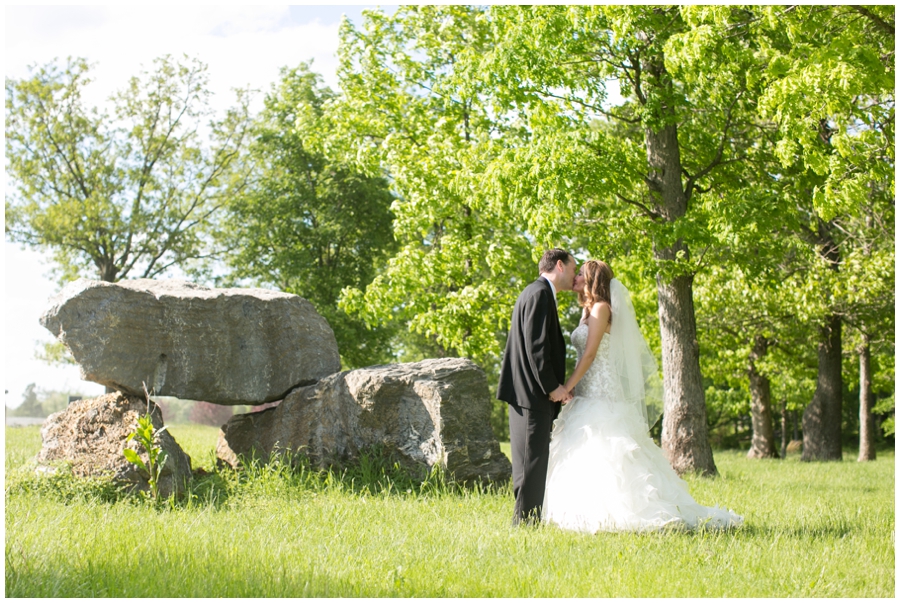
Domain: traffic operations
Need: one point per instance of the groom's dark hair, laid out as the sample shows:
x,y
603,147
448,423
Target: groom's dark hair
x,y
550,257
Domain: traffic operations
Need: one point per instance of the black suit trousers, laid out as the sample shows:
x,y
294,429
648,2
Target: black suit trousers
x,y
529,437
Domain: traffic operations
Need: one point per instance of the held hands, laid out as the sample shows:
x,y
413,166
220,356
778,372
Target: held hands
x,y
560,394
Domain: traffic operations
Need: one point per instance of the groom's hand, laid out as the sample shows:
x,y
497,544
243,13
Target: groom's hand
x,y
560,394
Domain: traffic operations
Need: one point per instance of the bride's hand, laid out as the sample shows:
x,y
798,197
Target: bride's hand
x,y
560,394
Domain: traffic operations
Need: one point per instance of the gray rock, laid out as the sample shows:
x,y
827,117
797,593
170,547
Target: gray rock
x,y
90,435
226,346
434,412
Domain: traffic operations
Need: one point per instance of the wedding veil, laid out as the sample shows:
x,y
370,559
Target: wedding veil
x,y
632,362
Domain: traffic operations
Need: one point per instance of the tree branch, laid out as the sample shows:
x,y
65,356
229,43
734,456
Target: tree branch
x,y
717,160
883,25
653,215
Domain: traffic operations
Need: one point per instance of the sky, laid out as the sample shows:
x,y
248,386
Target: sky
x,y
242,45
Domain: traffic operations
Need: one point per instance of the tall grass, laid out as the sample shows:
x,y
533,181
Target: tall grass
x,y
811,530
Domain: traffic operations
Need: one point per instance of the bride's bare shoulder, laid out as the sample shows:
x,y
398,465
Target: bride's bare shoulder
x,y
601,309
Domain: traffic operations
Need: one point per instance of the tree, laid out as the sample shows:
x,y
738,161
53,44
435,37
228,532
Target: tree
x,y
499,113
458,268
830,89
739,324
42,403
307,225
461,255
30,406
648,169
121,195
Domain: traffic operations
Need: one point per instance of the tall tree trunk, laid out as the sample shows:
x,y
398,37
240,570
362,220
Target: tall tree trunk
x,y
784,428
822,418
866,402
762,444
795,424
685,434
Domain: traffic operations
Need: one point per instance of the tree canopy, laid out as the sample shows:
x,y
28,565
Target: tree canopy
x,y
122,194
306,225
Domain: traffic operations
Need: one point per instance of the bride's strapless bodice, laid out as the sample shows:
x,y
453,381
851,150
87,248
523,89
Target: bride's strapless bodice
x,y
598,381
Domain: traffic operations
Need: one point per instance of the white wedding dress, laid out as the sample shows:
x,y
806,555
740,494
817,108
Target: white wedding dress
x,y
605,473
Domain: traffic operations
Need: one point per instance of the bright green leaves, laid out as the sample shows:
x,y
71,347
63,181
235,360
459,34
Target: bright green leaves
x,y
830,91
309,225
132,457
411,109
148,437
127,194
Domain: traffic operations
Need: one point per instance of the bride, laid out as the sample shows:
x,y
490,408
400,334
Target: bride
x,y
605,473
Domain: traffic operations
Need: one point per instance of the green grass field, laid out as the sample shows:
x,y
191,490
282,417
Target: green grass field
x,y
811,530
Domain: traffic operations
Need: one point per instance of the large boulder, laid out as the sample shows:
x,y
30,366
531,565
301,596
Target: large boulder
x,y
226,346
434,412
90,435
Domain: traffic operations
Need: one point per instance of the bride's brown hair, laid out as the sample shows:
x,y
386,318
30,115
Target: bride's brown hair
x,y
597,276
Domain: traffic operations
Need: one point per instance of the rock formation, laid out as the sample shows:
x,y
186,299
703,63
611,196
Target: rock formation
x,y
434,412
91,434
226,346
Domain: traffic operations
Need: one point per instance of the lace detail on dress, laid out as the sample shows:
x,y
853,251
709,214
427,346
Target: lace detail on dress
x,y
598,382
605,473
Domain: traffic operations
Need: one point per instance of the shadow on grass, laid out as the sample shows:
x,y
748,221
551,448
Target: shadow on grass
x,y
283,475
803,532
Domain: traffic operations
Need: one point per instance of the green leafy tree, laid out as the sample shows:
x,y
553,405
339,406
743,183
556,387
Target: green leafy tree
x,y
462,254
830,90
42,403
825,82
119,195
461,257
640,179
307,225
498,114
737,329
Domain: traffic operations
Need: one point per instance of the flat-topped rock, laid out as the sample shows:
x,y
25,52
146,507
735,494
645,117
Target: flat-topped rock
x,y
226,346
434,412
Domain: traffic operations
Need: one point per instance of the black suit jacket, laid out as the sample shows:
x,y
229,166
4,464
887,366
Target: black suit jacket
x,y
534,363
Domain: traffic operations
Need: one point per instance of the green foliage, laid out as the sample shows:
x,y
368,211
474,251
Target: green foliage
x,y
126,194
883,407
55,353
308,225
726,404
148,437
459,266
475,115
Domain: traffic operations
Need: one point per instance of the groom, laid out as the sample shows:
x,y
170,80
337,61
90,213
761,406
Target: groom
x,y
531,380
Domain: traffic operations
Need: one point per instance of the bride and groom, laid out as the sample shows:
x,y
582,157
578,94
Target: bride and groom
x,y
582,455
